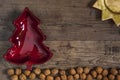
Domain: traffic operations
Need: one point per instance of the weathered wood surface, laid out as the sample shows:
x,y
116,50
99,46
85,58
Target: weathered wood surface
x,y
75,53
61,20
75,33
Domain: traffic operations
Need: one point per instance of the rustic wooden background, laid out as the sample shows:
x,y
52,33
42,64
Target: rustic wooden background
x,y
75,33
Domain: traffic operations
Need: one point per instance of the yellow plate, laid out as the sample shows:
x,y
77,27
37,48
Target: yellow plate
x,y
113,5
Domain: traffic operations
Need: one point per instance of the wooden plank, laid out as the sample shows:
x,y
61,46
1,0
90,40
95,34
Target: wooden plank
x,y
89,52
73,53
75,33
61,20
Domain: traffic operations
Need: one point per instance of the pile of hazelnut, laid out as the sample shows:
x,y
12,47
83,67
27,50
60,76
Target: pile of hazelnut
x,y
78,73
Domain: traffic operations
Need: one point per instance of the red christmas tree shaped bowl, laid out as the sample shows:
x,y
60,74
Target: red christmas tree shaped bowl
x,y
27,39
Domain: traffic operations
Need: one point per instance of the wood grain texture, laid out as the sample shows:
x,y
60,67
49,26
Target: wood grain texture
x,y
60,20
75,33
74,53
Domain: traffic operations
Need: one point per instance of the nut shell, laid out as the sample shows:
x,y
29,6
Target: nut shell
x,y
70,77
99,77
62,72
94,74
37,71
14,77
105,78
49,78
10,72
76,76
86,70
72,71
22,77
63,77
54,71
47,72
118,77
83,76
111,77
79,70
42,76
18,71
105,72
114,71
57,78
99,70
32,76
27,72
89,77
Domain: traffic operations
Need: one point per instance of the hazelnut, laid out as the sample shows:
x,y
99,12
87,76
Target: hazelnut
x,y
99,70
105,72
18,71
111,77
54,71
14,77
119,71
62,72
42,76
89,77
76,76
79,70
114,71
99,77
10,72
72,71
63,77
57,78
83,76
37,71
105,78
94,74
32,76
27,72
49,78
22,77
70,77
47,72
118,77
86,70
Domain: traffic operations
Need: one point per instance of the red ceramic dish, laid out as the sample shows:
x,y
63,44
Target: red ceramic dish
x,y
27,39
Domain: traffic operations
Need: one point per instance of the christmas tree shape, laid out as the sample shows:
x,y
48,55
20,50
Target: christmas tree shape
x,y
27,39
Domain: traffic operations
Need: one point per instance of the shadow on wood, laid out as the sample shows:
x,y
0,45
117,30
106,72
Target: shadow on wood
x,y
8,26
